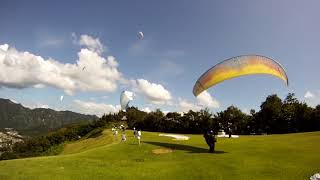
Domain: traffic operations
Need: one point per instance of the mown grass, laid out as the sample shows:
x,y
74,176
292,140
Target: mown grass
x,y
79,146
290,156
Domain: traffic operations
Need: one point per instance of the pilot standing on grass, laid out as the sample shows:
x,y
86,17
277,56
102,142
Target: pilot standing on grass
x,y
139,135
134,132
210,139
123,136
115,132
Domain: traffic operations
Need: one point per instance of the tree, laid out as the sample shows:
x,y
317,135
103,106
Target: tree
x,y
205,118
172,122
135,117
316,119
289,110
232,118
303,118
269,116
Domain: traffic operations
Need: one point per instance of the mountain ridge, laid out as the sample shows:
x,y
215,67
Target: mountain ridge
x,y
14,115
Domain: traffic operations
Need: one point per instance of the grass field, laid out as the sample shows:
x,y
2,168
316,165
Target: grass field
x,y
291,156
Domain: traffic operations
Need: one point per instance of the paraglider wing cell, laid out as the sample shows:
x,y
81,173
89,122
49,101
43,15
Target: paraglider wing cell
x,y
239,66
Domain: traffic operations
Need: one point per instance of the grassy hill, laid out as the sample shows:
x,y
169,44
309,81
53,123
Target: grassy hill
x,y
290,156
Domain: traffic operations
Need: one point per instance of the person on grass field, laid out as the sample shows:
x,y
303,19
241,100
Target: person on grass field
x,y
114,131
138,135
210,139
134,132
229,130
123,136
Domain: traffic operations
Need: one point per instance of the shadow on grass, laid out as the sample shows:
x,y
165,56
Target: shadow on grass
x,y
191,149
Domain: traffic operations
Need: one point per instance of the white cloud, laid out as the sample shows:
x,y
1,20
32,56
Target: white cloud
x,y
95,108
39,86
14,101
4,47
308,95
185,106
155,93
89,42
30,70
312,98
44,106
206,100
37,105
165,112
246,111
146,109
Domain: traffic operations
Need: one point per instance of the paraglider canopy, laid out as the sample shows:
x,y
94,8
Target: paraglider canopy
x,y
125,98
239,66
140,35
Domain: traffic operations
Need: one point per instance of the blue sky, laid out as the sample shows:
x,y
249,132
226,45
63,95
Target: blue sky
x,y
182,40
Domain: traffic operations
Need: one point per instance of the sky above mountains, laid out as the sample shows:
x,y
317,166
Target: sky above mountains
x,y
89,52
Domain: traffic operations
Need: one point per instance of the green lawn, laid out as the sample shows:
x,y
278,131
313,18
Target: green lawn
x,y
291,156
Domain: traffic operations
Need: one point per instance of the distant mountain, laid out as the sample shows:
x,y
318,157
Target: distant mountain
x,y
16,116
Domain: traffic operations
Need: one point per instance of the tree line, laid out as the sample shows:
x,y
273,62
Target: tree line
x,y
275,116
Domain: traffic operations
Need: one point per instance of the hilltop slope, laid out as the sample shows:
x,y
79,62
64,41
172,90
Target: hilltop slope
x,y
290,156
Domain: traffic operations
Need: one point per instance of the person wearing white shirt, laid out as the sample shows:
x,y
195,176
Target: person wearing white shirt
x,y
139,135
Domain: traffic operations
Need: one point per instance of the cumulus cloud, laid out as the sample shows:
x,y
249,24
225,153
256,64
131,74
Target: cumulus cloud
x,y
206,100
308,95
155,93
185,106
24,69
95,108
146,109
312,98
89,42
